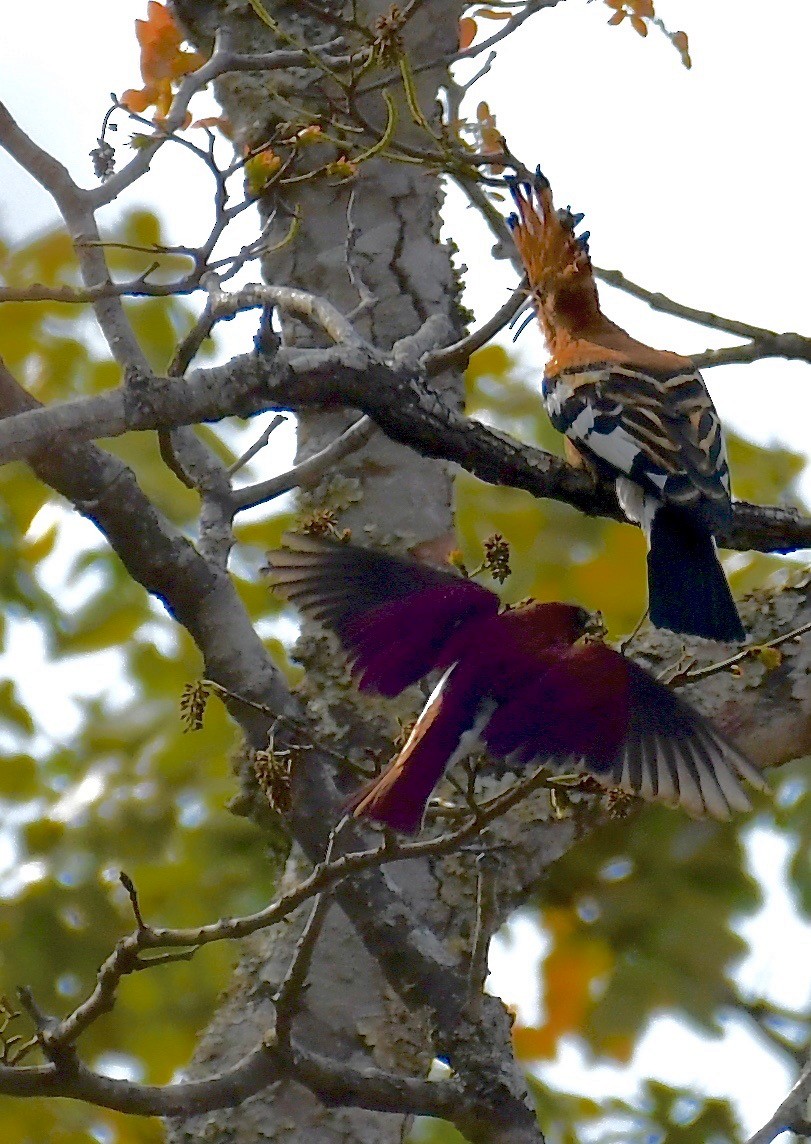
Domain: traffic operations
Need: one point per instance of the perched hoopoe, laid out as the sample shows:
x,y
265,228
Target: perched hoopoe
x,y
527,683
640,415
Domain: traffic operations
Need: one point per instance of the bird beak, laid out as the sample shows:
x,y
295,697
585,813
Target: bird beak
x,y
595,630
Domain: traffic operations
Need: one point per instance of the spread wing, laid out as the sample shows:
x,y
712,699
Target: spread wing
x,y
393,616
625,728
658,428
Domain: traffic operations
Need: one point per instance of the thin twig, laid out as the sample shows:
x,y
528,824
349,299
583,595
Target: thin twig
x,y
288,997
486,920
308,473
132,893
367,298
459,354
258,445
661,302
691,675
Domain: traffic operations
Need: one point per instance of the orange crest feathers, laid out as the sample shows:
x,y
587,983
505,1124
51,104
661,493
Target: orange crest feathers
x,y
555,258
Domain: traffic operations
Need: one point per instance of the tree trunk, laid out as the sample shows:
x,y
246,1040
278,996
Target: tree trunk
x,y
385,493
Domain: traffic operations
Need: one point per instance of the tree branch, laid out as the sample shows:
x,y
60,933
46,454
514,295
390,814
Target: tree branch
x,y
334,1083
791,1115
666,305
398,400
307,473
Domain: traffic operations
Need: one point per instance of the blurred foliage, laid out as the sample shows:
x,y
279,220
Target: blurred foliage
x,y
663,1115
109,781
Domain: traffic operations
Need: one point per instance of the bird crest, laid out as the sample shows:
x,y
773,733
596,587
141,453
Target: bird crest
x,y
563,289
556,258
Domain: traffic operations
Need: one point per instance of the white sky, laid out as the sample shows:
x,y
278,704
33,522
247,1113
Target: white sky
x,y
694,183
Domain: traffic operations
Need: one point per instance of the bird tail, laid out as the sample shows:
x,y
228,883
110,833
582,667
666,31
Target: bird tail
x,y
687,588
399,795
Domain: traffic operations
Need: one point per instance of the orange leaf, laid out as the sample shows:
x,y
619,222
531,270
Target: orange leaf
x,y
618,17
492,141
639,25
577,959
681,45
137,101
219,121
489,14
467,32
160,40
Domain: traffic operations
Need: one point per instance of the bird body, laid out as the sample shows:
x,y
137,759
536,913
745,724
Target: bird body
x,y
636,415
528,683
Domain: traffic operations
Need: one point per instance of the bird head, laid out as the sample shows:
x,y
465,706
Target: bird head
x,y
538,625
556,259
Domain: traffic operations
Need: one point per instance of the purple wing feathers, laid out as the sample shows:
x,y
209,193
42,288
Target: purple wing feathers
x,y
394,617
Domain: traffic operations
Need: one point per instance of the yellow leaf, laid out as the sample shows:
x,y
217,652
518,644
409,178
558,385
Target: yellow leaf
x,y
43,834
18,777
770,657
36,550
569,972
531,1044
490,361
110,631
12,711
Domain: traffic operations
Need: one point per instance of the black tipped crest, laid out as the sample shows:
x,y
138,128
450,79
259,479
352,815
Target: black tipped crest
x,y
541,181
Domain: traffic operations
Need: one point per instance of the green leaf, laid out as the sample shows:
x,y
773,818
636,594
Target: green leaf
x,y
18,777
12,712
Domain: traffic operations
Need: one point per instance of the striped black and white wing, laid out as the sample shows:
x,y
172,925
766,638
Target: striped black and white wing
x,y
673,753
659,429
